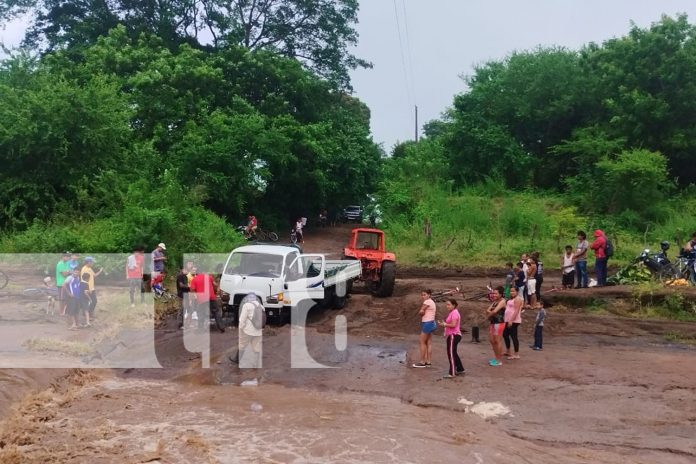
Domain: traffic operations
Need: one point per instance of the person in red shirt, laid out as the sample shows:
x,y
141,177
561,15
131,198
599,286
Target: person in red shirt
x,y
252,225
134,273
599,246
204,290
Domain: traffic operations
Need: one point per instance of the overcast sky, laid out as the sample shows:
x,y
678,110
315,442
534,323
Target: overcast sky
x,y
443,39
448,37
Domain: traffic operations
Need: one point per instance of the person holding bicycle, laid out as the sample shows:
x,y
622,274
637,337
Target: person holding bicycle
x,y
252,226
298,230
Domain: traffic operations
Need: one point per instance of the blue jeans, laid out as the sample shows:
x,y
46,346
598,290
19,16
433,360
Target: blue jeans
x,y
601,271
581,272
539,336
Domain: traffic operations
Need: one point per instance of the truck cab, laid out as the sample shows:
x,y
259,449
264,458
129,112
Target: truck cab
x,y
281,276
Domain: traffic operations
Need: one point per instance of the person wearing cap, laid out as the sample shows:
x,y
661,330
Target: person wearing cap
x,y
62,271
87,273
158,259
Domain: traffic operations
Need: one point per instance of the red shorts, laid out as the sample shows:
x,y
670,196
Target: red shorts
x,y
497,329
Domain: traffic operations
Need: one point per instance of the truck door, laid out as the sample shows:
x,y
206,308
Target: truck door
x,y
305,278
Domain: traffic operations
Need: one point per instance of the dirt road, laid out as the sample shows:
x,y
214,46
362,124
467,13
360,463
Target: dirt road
x,y
605,389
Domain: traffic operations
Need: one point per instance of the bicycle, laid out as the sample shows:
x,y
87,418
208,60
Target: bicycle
x,y
440,296
266,235
293,236
258,235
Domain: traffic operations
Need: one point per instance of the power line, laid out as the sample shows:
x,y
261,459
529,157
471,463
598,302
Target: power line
x,y
409,55
409,93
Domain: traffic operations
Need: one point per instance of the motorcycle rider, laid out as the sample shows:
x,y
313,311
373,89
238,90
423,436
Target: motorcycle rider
x,y
252,225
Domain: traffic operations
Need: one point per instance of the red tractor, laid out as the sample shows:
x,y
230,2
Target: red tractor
x,y
378,266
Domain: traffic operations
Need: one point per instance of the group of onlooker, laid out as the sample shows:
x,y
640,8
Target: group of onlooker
x,y
574,263
526,277
77,295
504,315
198,293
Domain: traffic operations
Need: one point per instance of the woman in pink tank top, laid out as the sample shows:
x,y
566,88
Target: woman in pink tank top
x,y
453,335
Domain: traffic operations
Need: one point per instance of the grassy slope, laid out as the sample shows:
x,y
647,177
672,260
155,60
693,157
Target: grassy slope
x,y
475,229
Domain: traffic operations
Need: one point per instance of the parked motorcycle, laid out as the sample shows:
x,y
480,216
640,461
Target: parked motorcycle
x,y
662,268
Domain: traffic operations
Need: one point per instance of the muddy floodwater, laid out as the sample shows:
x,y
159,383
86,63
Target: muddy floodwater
x,y
605,389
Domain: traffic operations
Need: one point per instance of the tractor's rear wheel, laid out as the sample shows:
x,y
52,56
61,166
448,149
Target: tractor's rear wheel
x,y
387,279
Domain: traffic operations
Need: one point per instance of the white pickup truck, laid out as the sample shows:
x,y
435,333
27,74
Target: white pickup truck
x,y
281,276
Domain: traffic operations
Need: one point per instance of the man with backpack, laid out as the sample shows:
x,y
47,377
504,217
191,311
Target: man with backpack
x,y
252,319
603,250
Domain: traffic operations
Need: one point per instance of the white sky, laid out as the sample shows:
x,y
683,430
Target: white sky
x,y
447,37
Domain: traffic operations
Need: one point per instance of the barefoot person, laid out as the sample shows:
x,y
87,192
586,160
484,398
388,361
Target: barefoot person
x,y
513,319
496,316
453,335
428,326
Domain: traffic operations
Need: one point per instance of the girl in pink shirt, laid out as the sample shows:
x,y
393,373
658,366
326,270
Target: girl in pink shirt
x,y
453,335
428,326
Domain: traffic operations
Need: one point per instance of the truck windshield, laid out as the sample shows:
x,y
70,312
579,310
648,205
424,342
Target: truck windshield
x,y
255,264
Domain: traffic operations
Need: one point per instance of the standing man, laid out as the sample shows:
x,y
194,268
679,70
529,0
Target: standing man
x,y
690,249
158,260
134,274
599,246
203,286
62,271
580,259
88,276
250,335
182,289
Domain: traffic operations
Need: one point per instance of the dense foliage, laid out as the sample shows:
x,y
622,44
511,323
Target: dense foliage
x,y
549,141
138,138
612,123
316,32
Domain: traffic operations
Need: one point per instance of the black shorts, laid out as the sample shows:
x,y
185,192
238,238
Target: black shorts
x,y
568,279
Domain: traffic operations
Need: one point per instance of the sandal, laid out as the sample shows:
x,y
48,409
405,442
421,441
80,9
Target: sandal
x,y
495,363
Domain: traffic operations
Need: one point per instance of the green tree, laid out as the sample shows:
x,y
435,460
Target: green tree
x,y
318,33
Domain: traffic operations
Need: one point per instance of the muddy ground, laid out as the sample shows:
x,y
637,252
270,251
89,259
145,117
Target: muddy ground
x,y
605,389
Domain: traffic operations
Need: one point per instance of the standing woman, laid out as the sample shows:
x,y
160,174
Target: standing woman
x,y
513,319
428,326
453,334
496,315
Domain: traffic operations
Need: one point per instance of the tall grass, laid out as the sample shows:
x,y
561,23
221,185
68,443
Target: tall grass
x,y
487,226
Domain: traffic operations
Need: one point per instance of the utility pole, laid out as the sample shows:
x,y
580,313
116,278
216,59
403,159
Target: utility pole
x,y
416,123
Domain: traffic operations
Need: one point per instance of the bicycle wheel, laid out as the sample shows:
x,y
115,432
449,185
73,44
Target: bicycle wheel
x,y
273,236
3,280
